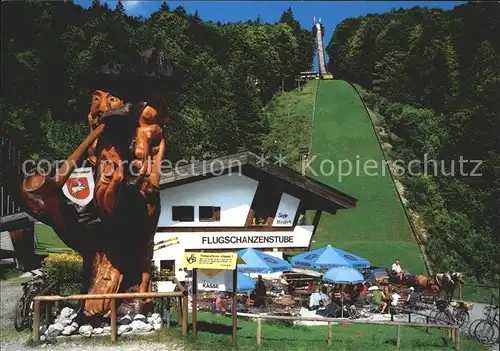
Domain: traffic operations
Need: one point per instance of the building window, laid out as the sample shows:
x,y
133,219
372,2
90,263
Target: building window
x,y
183,213
209,214
167,264
265,204
167,269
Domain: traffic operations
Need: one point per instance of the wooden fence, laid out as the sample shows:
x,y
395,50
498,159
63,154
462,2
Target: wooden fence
x,y
181,296
453,331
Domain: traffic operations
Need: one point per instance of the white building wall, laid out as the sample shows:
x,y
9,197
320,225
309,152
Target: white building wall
x,y
287,209
299,237
232,193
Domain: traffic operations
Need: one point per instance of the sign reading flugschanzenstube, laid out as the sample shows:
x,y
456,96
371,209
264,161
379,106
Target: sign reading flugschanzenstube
x,y
208,260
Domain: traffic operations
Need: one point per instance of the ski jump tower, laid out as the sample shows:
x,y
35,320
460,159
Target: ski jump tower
x,y
319,32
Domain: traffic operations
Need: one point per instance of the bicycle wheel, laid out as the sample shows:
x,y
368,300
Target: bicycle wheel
x,y
472,327
20,321
442,318
433,316
484,332
462,318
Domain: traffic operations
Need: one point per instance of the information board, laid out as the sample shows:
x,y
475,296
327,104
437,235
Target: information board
x,y
210,260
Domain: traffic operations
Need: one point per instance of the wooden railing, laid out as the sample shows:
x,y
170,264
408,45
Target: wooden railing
x,y
181,296
453,331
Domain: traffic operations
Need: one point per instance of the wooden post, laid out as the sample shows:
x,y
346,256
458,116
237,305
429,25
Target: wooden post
x,y
452,332
179,310
398,339
409,317
459,291
329,333
234,309
457,339
195,304
168,312
185,315
426,322
259,326
114,325
47,312
36,321
58,292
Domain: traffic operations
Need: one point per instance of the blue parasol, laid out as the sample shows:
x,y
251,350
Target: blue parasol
x,y
329,257
260,262
343,275
245,283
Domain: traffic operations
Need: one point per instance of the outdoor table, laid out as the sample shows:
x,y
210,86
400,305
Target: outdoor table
x,y
285,302
302,292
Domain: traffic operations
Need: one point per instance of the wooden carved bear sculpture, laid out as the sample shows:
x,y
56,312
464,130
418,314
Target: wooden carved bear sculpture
x,y
125,263
108,153
116,251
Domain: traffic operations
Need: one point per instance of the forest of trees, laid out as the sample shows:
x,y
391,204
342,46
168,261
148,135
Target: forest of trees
x,y
440,96
223,74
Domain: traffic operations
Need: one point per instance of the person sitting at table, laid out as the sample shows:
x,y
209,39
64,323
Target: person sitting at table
x,y
311,287
335,290
378,300
410,294
220,303
363,290
260,292
386,290
356,297
241,306
395,297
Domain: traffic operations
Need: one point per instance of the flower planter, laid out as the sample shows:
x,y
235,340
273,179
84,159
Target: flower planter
x,y
165,286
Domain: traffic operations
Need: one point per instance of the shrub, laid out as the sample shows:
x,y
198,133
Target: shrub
x,y
161,275
66,268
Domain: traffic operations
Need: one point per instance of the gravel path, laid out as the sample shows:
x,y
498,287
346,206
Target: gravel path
x,y
10,292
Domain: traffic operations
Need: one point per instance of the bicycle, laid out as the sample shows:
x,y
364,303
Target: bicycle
x,y
458,315
487,330
23,316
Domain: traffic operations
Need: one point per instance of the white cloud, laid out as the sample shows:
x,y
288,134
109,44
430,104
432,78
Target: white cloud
x,y
130,5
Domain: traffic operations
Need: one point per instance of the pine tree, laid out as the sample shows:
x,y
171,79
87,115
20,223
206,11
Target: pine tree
x,y
164,7
120,9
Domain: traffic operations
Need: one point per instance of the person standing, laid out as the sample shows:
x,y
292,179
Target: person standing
x,y
260,292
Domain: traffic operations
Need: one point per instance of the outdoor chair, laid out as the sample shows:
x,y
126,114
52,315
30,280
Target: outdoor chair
x,y
332,310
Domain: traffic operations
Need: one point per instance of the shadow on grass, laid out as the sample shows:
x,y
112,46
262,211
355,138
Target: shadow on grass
x,y
215,328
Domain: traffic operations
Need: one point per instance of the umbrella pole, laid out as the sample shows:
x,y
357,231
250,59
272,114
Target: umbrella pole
x,y
342,302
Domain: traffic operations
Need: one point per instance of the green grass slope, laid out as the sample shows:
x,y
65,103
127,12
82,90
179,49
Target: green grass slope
x,y
288,116
377,228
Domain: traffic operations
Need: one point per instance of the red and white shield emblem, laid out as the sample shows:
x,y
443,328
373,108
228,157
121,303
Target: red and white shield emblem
x,y
79,187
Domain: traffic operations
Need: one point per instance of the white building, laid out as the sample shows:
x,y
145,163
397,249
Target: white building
x,y
216,205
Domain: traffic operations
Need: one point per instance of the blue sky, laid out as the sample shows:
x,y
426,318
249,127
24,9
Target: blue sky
x,y
331,13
